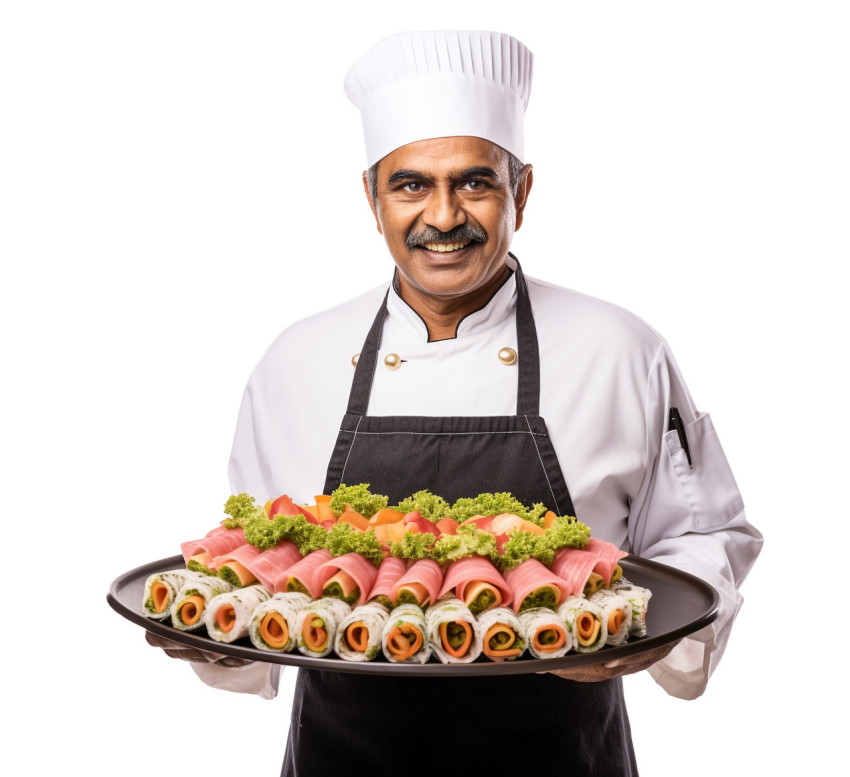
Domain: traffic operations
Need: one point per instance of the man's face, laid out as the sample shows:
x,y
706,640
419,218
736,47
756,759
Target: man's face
x,y
447,211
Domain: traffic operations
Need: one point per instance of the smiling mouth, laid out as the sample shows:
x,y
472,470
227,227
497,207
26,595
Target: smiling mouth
x,y
444,248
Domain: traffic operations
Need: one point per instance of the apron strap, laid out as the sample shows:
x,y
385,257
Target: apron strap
x,y
528,379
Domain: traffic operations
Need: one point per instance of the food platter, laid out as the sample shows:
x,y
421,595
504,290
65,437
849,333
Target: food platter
x,y
681,604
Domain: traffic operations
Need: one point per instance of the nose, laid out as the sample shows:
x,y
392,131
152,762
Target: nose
x,y
443,210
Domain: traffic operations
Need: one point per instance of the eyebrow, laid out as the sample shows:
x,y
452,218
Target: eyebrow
x,y
471,172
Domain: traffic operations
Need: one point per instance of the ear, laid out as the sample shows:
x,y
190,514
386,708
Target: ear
x,y
371,203
526,179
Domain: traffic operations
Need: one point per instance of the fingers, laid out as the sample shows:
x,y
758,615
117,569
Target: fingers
x,y
187,653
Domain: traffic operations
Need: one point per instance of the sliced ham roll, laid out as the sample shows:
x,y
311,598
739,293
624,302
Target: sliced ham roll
x,y
187,612
638,597
160,590
502,635
608,550
421,583
352,577
617,614
228,616
453,632
576,566
545,633
477,583
389,573
273,623
271,563
301,577
235,567
531,584
316,625
359,635
585,622
216,543
405,637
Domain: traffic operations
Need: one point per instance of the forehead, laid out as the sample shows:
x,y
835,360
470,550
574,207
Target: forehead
x,y
443,156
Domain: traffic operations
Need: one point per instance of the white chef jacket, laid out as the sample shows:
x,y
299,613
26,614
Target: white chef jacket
x,y
607,383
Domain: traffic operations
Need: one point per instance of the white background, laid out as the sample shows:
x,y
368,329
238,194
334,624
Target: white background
x,y
181,180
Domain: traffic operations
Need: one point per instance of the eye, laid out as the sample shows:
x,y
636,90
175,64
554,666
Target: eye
x,y
414,187
474,185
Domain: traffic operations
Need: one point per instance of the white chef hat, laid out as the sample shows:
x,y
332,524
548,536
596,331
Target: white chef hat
x,y
418,85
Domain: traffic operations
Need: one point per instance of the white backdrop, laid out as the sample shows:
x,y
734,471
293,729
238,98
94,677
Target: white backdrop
x,y
181,180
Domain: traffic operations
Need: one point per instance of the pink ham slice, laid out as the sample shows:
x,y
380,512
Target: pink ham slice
x,y
528,577
607,550
244,554
305,571
389,573
427,572
218,542
271,563
363,572
574,567
465,571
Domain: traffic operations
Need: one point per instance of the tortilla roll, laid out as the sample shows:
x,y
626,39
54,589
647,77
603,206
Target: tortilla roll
x,y
638,597
453,631
160,591
273,623
545,633
585,622
617,614
187,612
502,636
359,635
228,615
317,623
405,637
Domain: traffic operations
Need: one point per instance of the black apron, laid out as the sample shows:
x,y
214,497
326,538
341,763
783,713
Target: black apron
x,y
348,724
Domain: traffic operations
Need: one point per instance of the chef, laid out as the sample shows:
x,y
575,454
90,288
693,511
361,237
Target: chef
x,y
462,375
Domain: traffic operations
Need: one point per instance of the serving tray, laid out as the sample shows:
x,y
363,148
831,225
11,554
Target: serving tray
x,y
680,605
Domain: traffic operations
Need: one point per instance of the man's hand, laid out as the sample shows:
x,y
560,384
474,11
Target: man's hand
x,y
593,673
187,653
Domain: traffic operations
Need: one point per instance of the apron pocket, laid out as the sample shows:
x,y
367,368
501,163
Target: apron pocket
x,y
709,486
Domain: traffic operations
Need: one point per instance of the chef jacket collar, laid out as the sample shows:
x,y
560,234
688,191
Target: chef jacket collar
x,y
501,306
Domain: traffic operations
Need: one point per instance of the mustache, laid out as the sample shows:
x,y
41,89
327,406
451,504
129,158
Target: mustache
x,y
459,234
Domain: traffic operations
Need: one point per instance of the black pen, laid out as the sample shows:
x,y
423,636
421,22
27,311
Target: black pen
x,y
677,424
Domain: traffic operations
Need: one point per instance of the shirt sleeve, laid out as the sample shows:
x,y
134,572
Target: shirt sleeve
x,y
691,516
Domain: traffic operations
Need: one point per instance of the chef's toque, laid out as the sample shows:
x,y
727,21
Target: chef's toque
x,y
419,85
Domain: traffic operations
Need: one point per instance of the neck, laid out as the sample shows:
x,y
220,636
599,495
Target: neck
x,y
442,315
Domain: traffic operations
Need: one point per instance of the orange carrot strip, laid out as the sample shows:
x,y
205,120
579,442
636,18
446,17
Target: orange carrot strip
x,y
315,637
552,646
225,617
615,620
500,628
460,651
274,629
159,594
399,643
357,636
190,609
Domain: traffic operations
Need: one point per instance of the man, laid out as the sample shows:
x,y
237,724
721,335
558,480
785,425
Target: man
x,y
473,378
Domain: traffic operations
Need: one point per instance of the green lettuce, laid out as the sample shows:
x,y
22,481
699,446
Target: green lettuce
x,y
496,504
469,541
429,505
414,546
566,532
241,508
265,533
344,538
359,498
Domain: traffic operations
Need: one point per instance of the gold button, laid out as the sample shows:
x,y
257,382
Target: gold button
x,y
354,359
507,356
392,361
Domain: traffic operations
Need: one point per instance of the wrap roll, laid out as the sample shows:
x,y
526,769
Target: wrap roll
x,y
585,622
317,623
638,597
405,637
187,612
453,632
273,623
502,636
359,635
227,615
161,589
616,613
545,633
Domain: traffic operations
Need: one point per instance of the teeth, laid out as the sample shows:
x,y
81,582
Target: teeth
x,y
446,247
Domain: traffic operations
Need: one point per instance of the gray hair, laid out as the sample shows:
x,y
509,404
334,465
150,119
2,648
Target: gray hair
x,y
514,171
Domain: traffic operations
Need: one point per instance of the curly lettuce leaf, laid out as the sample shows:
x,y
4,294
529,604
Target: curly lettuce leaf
x,y
414,546
344,538
429,505
241,508
359,498
496,504
566,532
265,533
523,545
469,541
